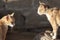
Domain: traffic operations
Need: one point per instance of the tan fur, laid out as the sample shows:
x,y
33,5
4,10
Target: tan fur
x,y
4,23
53,16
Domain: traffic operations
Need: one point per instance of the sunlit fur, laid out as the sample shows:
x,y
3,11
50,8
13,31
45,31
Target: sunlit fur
x,y
6,21
53,16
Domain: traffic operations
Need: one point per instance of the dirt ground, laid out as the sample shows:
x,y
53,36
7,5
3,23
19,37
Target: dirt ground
x,y
24,34
20,36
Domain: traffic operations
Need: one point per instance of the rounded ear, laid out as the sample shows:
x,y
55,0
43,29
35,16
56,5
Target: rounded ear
x,y
12,14
41,2
7,17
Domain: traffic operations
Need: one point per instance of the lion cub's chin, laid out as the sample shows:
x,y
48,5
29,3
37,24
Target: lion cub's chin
x,y
11,25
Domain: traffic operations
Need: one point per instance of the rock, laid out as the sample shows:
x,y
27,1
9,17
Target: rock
x,y
43,36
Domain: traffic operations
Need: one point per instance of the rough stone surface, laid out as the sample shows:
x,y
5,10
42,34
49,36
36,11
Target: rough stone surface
x,y
26,15
26,11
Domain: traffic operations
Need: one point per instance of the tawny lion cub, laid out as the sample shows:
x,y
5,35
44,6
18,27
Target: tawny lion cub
x,y
6,21
53,16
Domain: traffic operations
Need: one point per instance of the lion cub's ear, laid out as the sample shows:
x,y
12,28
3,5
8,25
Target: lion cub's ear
x,y
41,3
7,17
12,14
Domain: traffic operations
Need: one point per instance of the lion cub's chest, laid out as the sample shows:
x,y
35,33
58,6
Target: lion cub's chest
x,y
49,15
53,18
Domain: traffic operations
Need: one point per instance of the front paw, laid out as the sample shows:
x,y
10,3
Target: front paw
x,y
53,37
51,34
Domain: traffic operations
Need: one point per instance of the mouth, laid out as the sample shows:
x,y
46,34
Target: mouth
x,y
11,25
39,13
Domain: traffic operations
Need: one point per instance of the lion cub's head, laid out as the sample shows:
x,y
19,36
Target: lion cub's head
x,y
42,8
8,20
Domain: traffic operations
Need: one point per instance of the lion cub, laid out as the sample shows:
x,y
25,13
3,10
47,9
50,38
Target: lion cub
x,y
53,16
6,21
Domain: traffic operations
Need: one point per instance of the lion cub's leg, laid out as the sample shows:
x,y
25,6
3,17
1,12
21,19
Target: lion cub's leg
x,y
54,34
55,28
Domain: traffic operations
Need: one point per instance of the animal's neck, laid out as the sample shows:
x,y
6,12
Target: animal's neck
x,y
48,16
2,23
